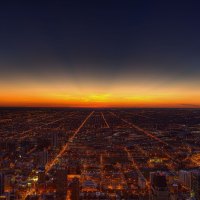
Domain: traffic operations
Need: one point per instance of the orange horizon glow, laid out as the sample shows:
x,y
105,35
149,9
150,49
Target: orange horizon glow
x,y
79,104
116,95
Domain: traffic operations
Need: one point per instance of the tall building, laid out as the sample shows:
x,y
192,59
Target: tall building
x,y
43,157
185,178
55,139
141,182
8,182
75,189
2,183
41,175
174,192
61,183
195,184
159,189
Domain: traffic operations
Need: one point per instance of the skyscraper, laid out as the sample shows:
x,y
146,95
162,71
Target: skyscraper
x,y
159,189
55,139
75,189
61,183
2,183
41,175
185,178
195,184
43,157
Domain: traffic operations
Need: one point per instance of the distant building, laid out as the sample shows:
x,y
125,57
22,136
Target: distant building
x,y
10,196
41,175
174,192
2,183
75,189
61,183
159,188
195,184
11,146
55,139
141,183
48,197
185,178
43,157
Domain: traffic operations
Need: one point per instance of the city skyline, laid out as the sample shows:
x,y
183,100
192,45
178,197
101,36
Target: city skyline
x,y
94,154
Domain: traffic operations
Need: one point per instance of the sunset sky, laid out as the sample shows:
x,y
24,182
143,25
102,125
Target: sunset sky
x,y
100,53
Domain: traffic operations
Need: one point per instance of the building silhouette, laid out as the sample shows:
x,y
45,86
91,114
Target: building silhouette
x,y
2,183
159,189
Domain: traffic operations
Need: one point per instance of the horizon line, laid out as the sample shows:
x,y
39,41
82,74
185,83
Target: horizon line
x,y
99,107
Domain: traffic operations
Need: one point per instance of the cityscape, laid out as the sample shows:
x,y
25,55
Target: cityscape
x,y
60,153
99,100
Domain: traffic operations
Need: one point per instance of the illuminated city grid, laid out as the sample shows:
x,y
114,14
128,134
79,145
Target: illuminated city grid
x,y
99,154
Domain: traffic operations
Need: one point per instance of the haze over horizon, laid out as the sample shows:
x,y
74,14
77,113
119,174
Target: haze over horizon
x,y
100,54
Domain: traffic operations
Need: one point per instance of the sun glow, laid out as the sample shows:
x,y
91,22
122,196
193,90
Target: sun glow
x,y
88,97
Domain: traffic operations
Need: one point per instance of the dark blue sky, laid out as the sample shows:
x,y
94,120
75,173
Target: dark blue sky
x,y
103,37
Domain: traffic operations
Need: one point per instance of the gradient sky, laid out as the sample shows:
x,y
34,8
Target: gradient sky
x,y
100,53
